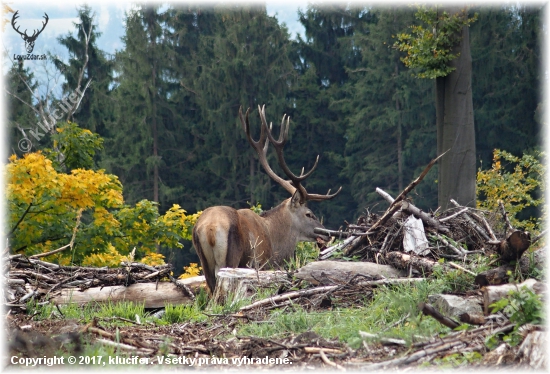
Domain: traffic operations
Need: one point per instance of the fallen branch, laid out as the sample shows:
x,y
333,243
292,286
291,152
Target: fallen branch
x,y
429,310
288,296
425,217
476,227
415,182
412,358
328,362
457,250
448,218
333,233
505,215
327,252
472,319
538,237
456,266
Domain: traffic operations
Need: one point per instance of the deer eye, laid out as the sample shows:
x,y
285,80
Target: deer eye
x,y
310,215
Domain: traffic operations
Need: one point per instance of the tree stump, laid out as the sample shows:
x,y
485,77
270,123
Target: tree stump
x,y
533,350
234,284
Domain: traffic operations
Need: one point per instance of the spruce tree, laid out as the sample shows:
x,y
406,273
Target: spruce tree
x,y
87,62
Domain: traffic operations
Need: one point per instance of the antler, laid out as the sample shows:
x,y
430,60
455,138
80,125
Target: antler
x,y
261,148
15,16
36,32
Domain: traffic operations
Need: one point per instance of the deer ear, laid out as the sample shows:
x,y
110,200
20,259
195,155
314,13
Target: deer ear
x,y
297,200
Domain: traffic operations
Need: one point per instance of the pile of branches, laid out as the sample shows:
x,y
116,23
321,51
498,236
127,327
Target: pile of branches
x,y
30,277
408,238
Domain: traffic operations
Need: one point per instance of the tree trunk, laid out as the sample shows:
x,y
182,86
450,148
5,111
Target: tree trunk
x,y
154,123
455,129
399,126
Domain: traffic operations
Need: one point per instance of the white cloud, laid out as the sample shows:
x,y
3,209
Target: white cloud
x,y
104,17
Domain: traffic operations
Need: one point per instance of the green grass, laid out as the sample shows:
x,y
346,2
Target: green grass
x,y
389,305
182,313
391,312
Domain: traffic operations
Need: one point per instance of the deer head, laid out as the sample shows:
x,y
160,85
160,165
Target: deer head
x,y
29,40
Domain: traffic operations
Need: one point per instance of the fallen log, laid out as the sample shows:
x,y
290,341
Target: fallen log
x,y
492,294
152,295
339,272
499,275
402,260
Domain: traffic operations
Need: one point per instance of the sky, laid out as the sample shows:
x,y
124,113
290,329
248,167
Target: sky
x,y
110,20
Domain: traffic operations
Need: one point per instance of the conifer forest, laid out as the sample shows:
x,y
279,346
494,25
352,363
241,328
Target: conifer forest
x,y
162,112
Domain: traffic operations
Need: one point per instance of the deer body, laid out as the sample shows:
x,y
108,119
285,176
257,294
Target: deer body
x,y
226,237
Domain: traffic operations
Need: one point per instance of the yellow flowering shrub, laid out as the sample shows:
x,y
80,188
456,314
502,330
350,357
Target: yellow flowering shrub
x,y
515,181
44,200
191,271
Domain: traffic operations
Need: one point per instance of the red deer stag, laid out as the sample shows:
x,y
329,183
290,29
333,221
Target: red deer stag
x,y
226,237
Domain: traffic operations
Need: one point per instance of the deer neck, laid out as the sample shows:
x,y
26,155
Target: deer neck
x,y
283,234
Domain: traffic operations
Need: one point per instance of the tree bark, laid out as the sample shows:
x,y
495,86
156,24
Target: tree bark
x,y
455,129
152,295
331,272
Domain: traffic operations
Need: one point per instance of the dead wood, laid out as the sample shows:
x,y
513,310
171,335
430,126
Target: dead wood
x,y
327,252
513,247
402,260
492,294
240,283
429,310
425,217
499,275
533,350
338,272
334,233
288,296
406,360
415,182
152,295
472,319
476,227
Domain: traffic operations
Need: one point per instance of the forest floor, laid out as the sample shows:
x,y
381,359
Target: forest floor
x,y
322,332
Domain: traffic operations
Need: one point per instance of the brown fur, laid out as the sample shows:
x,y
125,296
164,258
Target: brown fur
x,y
226,237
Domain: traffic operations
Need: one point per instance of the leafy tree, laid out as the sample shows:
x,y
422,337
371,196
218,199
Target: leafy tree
x,y
515,182
48,206
442,52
